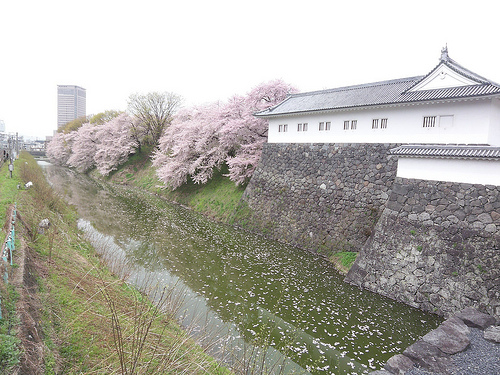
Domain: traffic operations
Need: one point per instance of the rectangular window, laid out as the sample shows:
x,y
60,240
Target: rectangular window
x,y
346,125
283,128
375,123
383,123
302,127
354,124
429,122
321,126
328,125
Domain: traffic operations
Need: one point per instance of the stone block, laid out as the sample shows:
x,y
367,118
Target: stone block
x,y
478,225
429,357
492,333
394,205
435,299
490,228
400,189
413,217
399,364
424,216
457,324
485,218
460,214
473,318
450,337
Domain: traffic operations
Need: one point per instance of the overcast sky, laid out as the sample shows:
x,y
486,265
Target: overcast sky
x,y
208,50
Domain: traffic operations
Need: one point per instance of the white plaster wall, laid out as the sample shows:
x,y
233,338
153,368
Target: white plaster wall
x,y
452,170
471,122
494,136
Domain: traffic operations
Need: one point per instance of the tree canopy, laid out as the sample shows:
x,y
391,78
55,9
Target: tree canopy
x,y
191,144
154,112
104,146
205,137
103,117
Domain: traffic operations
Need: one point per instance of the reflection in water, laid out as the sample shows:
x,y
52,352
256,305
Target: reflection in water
x,y
263,288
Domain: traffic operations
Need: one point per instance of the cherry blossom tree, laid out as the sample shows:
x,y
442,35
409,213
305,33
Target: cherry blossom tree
x,y
59,148
243,133
105,142
114,143
204,138
190,147
84,148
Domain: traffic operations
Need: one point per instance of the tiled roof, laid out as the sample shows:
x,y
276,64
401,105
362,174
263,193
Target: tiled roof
x,y
383,93
344,97
448,151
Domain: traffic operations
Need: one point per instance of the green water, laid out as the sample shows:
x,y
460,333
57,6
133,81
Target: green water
x,y
264,291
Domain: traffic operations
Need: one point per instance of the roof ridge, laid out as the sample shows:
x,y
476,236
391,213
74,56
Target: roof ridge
x,y
453,65
456,67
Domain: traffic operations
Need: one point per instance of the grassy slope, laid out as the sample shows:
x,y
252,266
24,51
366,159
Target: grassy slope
x,y
78,298
217,199
9,343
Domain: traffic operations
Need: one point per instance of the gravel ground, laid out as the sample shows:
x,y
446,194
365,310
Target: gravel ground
x,y
482,357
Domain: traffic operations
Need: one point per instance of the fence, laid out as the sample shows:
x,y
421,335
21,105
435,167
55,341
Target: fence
x,y
8,246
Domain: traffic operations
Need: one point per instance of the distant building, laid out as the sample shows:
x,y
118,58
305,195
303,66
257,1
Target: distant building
x,y
71,103
2,126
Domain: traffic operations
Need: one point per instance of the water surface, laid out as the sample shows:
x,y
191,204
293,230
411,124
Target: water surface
x,y
259,289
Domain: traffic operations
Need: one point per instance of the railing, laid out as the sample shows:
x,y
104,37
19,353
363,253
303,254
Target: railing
x,y
8,246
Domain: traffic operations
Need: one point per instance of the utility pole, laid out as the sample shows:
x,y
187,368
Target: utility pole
x,y
9,143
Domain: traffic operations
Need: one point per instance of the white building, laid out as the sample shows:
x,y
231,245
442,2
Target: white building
x,y
71,103
450,119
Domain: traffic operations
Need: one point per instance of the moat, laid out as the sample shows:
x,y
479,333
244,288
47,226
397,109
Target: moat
x,y
243,285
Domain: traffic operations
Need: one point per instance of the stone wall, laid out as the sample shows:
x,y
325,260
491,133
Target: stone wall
x,y
323,197
433,245
436,247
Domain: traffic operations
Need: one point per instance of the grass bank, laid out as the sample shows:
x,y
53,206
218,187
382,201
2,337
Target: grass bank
x,y
217,199
66,311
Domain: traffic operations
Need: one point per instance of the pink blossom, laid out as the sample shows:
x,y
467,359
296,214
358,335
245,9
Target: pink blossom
x,y
114,143
204,138
59,148
84,148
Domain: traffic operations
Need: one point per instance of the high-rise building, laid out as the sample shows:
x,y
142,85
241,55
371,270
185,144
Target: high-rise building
x,y
71,103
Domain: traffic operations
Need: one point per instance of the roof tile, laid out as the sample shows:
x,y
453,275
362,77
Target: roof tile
x,y
448,151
